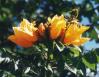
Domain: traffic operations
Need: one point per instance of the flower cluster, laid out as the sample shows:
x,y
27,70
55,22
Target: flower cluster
x,y
59,28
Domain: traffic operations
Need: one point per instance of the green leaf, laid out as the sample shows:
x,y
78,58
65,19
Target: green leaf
x,y
97,54
75,50
88,7
49,68
90,60
51,56
88,64
60,46
33,50
7,74
93,34
73,70
27,51
97,58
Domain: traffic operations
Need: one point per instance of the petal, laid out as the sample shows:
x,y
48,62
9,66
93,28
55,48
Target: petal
x,y
62,35
41,29
80,41
49,19
54,19
62,24
61,17
31,27
57,24
30,36
55,31
70,30
83,29
20,41
68,40
71,33
24,23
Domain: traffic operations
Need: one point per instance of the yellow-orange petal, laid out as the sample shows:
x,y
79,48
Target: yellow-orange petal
x,y
41,29
17,30
24,23
80,41
71,34
54,19
83,29
68,40
62,35
49,19
61,17
30,36
57,23
20,41
55,32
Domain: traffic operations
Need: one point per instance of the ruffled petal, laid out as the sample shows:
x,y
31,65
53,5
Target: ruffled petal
x,y
30,36
80,41
20,41
41,29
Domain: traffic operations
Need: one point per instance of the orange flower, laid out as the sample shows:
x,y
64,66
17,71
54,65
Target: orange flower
x,y
41,29
73,34
24,35
57,23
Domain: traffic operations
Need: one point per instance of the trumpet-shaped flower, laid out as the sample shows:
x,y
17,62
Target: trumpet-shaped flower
x,y
69,32
73,34
57,23
24,35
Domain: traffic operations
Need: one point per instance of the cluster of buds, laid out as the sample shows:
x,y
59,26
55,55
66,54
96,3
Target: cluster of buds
x,y
58,28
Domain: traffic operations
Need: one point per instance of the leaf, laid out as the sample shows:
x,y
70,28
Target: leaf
x,y
97,58
97,54
7,74
75,50
28,51
90,60
73,70
27,70
60,46
51,56
1,59
33,50
49,68
88,64
93,34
